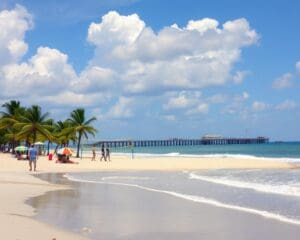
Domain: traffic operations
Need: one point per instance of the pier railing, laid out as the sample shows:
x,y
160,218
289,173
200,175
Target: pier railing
x,y
179,142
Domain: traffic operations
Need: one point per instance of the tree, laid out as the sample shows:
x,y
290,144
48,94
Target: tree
x,y
9,117
13,108
80,126
63,133
33,125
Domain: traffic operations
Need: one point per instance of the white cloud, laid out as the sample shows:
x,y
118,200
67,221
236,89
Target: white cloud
x,y
115,29
203,25
94,79
218,98
239,29
130,58
258,106
47,72
47,75
188,101
193,57
199,109
237,104
245,95
13,24
286,105
69,98
122,109
178,102
285,81
241,98
239,76
50,62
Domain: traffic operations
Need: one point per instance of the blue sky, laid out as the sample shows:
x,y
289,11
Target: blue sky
x,y
157,69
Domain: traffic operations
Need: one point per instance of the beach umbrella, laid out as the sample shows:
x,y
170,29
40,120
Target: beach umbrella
x,y
21,148
65,151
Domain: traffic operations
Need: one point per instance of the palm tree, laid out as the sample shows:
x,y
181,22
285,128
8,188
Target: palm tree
x,y
33,125
9,118
81,126
2,137
63,132
12,109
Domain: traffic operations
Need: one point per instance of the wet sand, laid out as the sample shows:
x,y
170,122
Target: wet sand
x,y
110,212
16,217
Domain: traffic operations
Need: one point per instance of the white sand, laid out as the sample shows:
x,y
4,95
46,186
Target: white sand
x,y
17,184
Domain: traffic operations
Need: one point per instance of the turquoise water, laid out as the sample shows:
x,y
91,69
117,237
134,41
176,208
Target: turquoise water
x,y
288,151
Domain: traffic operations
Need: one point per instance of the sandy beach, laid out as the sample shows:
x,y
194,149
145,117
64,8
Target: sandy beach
x,y
18,184
185,115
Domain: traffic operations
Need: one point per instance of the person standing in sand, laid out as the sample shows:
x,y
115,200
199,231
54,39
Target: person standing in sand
x,y
32,157
94,153
103,153
107,154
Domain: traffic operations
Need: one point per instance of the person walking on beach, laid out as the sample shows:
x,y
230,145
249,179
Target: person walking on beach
x,y
32,157
94,153
107,155
103,153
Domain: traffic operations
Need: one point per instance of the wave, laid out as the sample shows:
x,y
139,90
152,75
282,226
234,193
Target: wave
x,y
198,199
213,155
125,178
203,155
171,154
266,188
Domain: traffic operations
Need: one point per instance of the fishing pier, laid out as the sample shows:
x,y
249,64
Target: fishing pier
x,y
206,140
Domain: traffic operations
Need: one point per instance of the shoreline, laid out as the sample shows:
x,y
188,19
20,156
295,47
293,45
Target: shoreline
x,y
16,217
19,185
153,213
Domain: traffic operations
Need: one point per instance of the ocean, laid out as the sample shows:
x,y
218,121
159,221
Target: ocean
x,y
281,151
268,195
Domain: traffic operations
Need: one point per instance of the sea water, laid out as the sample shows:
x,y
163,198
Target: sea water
x,y
267,194
282,151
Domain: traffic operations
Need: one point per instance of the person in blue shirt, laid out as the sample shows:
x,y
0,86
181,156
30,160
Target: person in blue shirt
x,y
32,157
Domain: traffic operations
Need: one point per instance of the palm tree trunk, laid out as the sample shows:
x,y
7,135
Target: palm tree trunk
x,y
34,137
13,146
48,148
78,145
55,151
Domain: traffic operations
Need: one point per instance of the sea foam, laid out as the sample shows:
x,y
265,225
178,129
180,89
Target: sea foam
x,y
267,188
198,199
213,155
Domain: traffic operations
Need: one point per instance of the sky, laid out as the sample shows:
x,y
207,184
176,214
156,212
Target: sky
x,y
150,69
